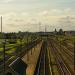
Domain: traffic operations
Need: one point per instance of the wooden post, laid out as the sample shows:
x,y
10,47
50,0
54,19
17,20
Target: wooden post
x,y
74,55
34,44
32,48
21,44
4,54
27,50
60,45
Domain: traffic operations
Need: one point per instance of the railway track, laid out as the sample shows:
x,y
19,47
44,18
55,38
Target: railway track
x,y
51,61
45,66
62,67
69,47
65,44
42,67
65,51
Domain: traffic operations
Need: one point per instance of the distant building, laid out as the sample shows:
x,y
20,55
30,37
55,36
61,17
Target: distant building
x,y
72,32
45,33
69,33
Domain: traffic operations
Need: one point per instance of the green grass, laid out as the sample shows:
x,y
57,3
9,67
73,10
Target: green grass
x,y
1,49
61,37
13,46
1,56
11,51
72,38
10,45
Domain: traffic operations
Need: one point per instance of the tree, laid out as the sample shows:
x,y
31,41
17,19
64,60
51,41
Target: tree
x,y
61,32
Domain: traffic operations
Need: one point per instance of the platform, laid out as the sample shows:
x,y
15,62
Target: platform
x,y
31,59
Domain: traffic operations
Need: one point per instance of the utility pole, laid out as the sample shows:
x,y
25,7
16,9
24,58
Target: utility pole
x,y
32,48
40,29
27,46
39,26
3,47
74,55
1,24
45,28
4,55
45,33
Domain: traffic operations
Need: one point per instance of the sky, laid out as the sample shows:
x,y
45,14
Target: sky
x,y
35,15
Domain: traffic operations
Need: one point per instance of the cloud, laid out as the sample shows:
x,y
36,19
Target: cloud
x,y
28,20
44,13
57,12
6,1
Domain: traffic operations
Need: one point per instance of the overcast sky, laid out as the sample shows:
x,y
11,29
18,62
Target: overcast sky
x,y
28,15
